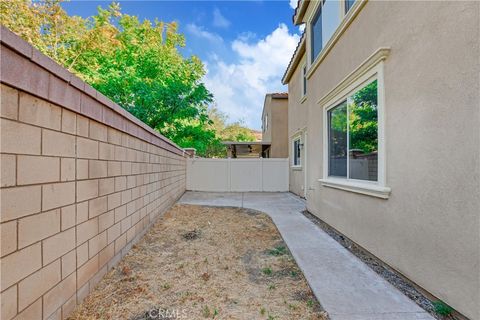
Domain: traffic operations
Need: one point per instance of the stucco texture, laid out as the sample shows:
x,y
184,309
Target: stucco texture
x,y
429,227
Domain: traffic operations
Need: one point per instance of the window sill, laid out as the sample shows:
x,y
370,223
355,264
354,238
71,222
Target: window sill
x,y
296,168
303,99
357,187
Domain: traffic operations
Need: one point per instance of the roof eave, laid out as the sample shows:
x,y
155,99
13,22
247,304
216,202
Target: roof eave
x,y
300,12
297,56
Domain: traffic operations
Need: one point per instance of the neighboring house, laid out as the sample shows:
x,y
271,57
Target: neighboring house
x,y
384,134
275,125
257,134
272,141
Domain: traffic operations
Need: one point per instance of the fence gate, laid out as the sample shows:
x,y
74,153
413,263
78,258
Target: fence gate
x,y
228,175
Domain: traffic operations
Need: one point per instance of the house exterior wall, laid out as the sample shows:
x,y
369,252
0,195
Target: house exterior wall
x,y
267,120
276,111
428,229
81,181
297,127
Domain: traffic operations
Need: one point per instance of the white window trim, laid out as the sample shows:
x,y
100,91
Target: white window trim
x,y
368,71
294,166
346,20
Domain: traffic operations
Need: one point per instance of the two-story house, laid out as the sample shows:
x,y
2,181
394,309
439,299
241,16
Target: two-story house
x,y
274,125
384,134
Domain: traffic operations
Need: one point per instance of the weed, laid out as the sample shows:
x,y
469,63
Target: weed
x,y
166,286
310,303
191,235
262,311
270,317
206,312
267,271
442,308
294,273
278,251
272,287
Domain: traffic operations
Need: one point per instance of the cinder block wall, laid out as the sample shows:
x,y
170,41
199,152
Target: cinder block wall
x,y
81,181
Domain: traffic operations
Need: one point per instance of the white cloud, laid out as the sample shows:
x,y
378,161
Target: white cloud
x,y
200,32
239,88
293,4
301,27
219,20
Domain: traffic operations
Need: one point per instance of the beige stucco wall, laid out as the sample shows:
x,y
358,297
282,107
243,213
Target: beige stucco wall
x,y
81,181
276,133
297,127
429,227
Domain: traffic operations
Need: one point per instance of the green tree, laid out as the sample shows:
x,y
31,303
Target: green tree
x,y
235,131
135,63
364,119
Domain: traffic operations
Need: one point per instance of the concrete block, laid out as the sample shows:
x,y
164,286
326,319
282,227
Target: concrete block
x,y
37,169
57,195
8,102
19,138
39,112
37,227
57,245
20,201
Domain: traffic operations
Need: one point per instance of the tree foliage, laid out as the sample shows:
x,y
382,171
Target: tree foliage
x,y
236,131
363,119
135,63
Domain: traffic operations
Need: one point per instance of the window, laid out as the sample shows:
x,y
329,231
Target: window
x,y
304,80
316,34
353,136
296,153
324,24
348,5
330,19
265,123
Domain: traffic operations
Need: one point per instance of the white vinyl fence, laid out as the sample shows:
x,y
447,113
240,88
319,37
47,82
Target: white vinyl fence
x,y
225,175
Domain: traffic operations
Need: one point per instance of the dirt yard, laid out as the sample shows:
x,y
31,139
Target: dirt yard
x,y
205,263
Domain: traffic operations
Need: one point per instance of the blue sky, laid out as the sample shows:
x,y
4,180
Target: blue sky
x,y
245,45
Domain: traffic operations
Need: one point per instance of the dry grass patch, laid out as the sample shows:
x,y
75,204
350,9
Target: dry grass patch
x,y
205,263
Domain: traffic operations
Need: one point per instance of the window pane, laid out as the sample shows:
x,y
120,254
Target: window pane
x,y
337,141
296,152
363,132
304,80
348,5
316,34
330,19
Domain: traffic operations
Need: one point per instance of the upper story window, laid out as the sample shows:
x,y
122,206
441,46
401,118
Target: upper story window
x,y
324,23
316,34
348,5
353,136
304,80
265,123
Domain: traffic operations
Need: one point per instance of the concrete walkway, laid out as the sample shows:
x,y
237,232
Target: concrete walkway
x,y
346,287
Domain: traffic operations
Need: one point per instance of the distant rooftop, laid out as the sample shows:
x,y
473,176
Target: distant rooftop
x,y
279,95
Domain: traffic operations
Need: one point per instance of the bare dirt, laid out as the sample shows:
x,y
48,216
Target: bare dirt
x,y
205,263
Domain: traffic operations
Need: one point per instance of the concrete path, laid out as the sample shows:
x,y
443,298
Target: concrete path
x,y
346,287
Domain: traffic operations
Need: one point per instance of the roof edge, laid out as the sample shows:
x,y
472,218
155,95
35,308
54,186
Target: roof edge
x,y
295,60
299,14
